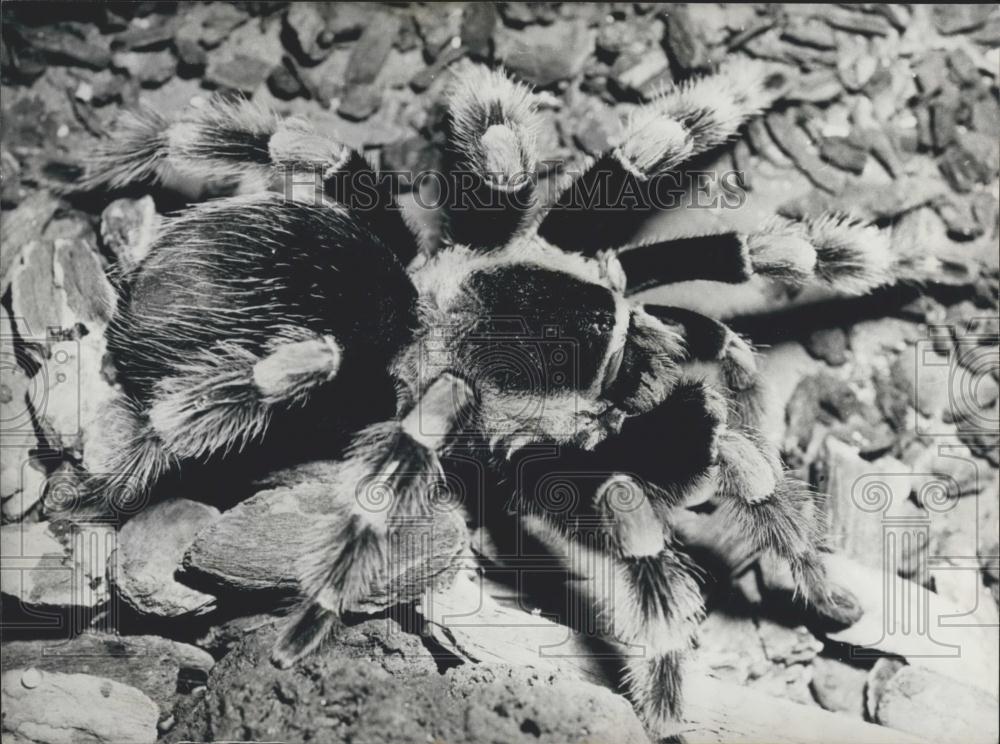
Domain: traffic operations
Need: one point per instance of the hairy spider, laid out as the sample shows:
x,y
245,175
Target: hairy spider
x,y
251,311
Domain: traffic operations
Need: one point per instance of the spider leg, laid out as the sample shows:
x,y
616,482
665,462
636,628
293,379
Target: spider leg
x,y
231,140
599,209
491,159
776,513
224,397
712,342
838,252
386,476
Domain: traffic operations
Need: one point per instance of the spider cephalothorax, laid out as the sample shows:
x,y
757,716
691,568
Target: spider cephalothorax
x,y
518,329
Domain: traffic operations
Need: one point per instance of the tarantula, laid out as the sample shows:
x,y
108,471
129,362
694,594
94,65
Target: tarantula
x,y
252,310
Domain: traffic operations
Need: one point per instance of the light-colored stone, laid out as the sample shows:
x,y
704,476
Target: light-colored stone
x,y
151,546
55,708
41,569
127,228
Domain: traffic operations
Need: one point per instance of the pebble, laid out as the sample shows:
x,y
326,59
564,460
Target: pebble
x,y
128,227
241,73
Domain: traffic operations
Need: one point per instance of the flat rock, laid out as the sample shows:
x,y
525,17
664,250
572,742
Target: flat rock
x,y
66,48
839,687
384,686
127,229
160,668
56,708
921,702
544,56
151,546
151,69
370,51
44,569
953,18
242,72
239,550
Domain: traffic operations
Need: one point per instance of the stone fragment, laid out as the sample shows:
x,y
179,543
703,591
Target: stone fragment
x,y
151,547
478,22
844,153
360,102
151,69
921,702
21,226
828,344
972,159
44,569
839,687
64,47
794,142
953,18
55,708
241,73
160,668
544,56
686,38
313,41
127,229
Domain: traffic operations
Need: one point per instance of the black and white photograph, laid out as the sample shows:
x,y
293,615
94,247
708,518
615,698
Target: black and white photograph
x,y
499,372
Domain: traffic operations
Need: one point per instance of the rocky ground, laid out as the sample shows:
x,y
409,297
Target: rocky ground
x,y
888,403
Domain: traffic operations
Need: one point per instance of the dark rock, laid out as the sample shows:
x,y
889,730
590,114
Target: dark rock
x,y
972,159
794,142
944,117
360,102
307,26
151,546
953,18
371,50
376,682
408,37
347,21
151,69
63,47
478,22
160,668
241,73
828,344
519,15
284,83
844,153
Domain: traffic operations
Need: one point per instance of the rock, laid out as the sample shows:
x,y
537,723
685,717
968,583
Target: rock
x,y
839,687
985,115
216,22
238,551
46,569
151,69
519,15
128,227
932,72
686,38
313,42
79,272
50,707
152,36
370,51
958,218
884,669
921,702
544,56
378,683
638,75
190,54
151,546
862,496
360,102
953,19
809,32
22,226
844,153
849,19
784,645
478,22
63,47
972,159
241,73
161,669
794,142
828,344
284,83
